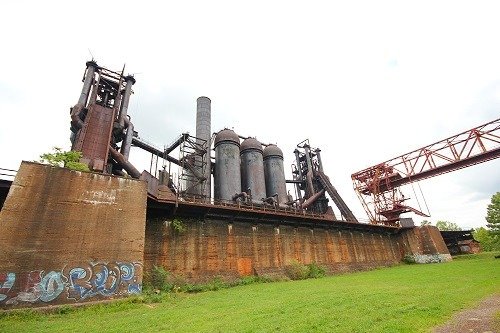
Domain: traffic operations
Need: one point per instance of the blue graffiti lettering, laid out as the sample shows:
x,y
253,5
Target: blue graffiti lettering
x,y
8,284
135,288
127,270
106,281
82,290
51,286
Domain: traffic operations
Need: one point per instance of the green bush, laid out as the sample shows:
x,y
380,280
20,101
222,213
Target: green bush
x,y
156,280
316,271
66,159
178,225
297,271
409,259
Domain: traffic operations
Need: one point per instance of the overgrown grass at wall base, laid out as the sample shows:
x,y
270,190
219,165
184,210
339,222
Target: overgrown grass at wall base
x,y
299,271
159,280
404,298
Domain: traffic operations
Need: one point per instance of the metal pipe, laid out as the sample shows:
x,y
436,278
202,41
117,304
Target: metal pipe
x,y
300,175
130,80
153,150
297,158
87,82
308,157
320,166
309,174
177,143
243,195
312,199
120,159
127,143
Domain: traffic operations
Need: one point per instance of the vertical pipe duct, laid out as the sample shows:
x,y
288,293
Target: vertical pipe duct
x,y
76,121
203,131
130,80
320,166
310,187
87,82
299,175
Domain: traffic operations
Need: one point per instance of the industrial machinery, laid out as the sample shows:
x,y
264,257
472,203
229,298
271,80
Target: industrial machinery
x,y
378,186
246,174
99,120
309,177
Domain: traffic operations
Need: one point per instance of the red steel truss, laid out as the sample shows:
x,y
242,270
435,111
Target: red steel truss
x,y
377,186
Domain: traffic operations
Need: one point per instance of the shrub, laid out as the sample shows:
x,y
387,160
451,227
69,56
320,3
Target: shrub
x,y
297,271
316,271
66,159
156,279
409,259
178,225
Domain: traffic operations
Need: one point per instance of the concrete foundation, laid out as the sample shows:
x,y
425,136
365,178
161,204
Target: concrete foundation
x,y
216,247
70,236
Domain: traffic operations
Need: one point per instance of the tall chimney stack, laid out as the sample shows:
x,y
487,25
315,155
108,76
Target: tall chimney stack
x,y
203,131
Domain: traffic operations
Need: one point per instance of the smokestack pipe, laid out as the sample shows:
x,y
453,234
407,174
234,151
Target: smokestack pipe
x,y
203,131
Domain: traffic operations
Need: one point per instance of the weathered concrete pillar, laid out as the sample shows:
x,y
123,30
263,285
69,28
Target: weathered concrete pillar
x,y
70,236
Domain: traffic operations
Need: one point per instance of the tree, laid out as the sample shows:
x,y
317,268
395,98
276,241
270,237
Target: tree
x,y
66,159
488,241
425,222
493,214
448,226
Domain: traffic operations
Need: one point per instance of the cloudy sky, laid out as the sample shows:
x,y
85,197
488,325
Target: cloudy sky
x,y
364,80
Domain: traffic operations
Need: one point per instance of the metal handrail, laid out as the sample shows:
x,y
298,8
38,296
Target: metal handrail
x,y
8,172
248,206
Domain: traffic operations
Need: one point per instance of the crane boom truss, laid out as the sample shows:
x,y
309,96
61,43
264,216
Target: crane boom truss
x,y
377,186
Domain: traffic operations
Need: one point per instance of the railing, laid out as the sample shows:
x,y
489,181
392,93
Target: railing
x,y
250,206
7,173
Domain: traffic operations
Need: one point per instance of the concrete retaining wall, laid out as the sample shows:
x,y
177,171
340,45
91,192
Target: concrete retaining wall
x,y
216,247
69,236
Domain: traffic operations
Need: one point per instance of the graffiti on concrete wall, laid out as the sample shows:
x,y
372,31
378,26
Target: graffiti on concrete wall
x,y
72,283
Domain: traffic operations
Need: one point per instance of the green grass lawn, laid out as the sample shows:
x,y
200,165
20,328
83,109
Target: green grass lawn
x,y
406,298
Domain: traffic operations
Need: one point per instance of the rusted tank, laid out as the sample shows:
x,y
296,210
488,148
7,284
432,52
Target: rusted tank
x,y
274,173
252,169
227,176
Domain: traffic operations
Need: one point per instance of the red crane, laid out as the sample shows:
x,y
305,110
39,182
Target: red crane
x,y
377,186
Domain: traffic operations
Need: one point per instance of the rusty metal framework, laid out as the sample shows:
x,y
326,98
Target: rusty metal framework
x,y
308,176
193,165
377,186
99,121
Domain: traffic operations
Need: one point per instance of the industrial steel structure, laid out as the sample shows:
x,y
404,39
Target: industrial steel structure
x,y
378,186
250,173
245,174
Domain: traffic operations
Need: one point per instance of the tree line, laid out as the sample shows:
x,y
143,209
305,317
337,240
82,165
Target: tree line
x,y
488,236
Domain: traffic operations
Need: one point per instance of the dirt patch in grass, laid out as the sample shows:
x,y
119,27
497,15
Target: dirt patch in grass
x,y
482,318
